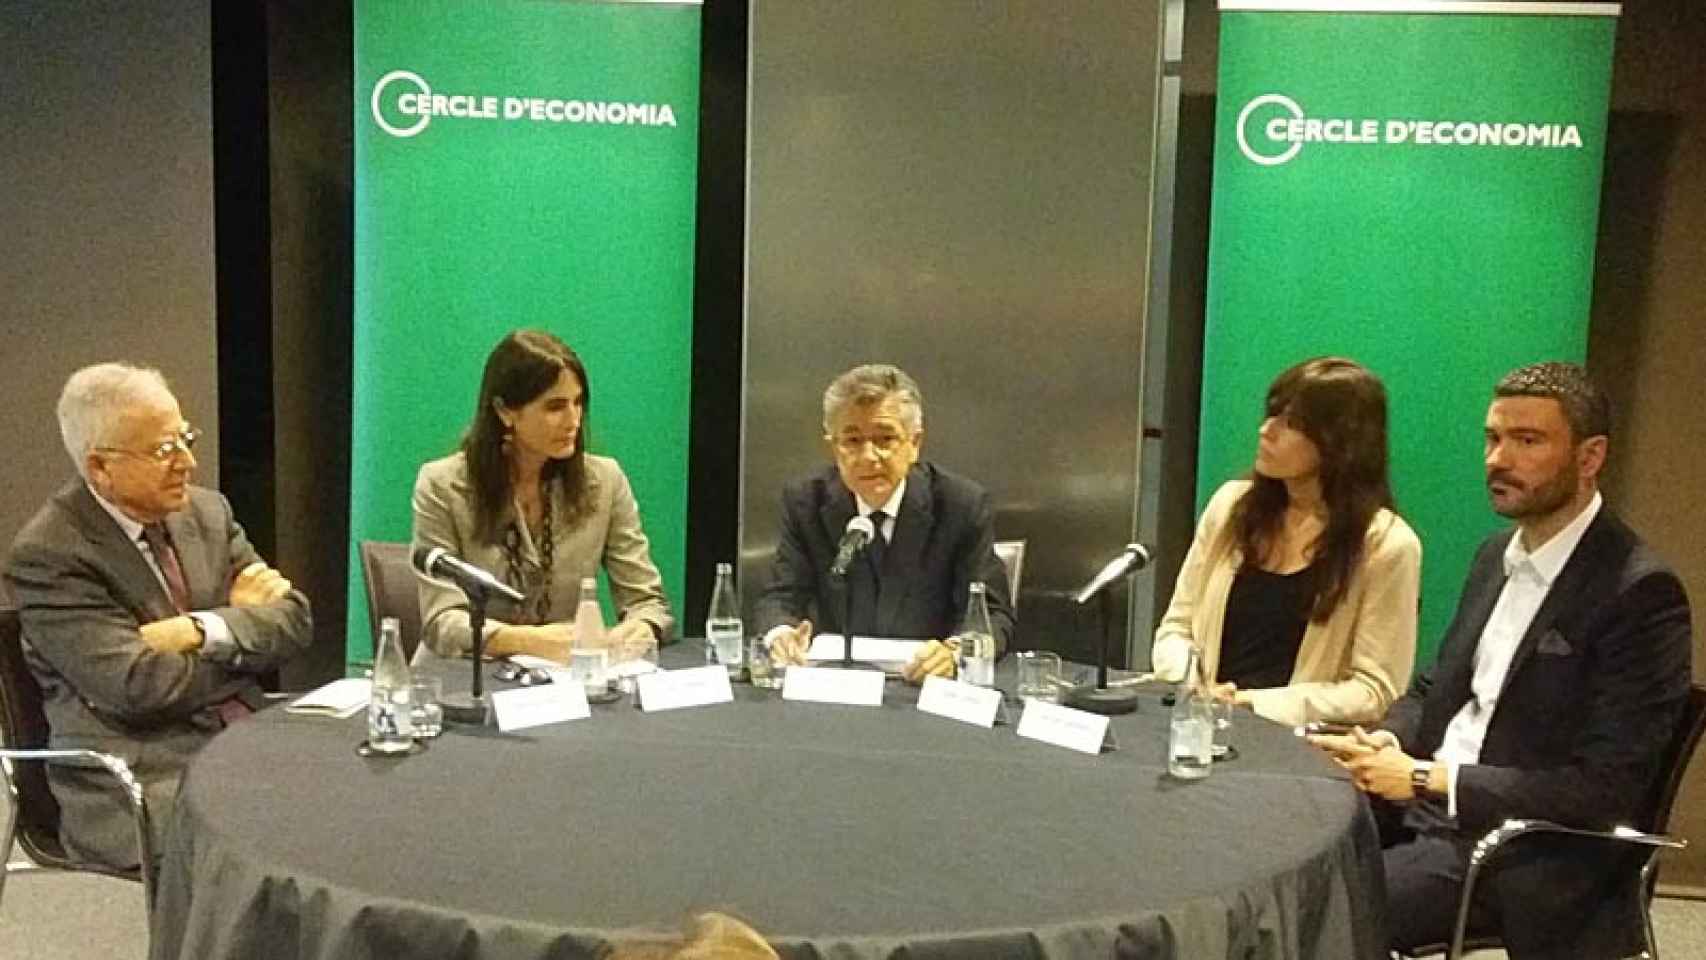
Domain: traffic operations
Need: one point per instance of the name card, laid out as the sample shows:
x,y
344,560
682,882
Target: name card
x,y
1063,726
854,688
526,707
694,687
964,702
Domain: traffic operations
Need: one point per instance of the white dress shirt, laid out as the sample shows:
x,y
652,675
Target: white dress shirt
x,y
216,641
890,508
1529,575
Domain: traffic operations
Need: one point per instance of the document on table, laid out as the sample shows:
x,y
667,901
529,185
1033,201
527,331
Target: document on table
x,y
340,698
889,653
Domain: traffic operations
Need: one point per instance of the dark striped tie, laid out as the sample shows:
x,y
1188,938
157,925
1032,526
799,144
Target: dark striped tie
x,y
160,544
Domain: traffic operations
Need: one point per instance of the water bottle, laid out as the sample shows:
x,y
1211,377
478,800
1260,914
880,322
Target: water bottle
x,y
390,728
977,640
1190,744
725,635
589,618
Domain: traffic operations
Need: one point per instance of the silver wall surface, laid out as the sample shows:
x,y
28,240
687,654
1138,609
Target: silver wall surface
x,y
106,218
963,189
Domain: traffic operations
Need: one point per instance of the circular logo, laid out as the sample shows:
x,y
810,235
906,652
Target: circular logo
x,y
424,90
1290,107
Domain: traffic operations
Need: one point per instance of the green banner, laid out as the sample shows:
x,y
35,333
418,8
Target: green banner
x,y
1414,185
521,164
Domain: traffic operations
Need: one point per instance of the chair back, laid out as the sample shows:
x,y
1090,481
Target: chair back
x,y
24,726
1011,553
1677,755
391,591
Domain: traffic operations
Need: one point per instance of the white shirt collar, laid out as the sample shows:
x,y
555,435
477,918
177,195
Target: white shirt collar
x,y
131,528
1549,560
891,508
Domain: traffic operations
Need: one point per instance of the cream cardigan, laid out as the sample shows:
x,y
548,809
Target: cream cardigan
x,y
1349,668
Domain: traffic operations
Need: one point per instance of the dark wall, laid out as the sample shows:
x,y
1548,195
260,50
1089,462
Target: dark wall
x,y
106,219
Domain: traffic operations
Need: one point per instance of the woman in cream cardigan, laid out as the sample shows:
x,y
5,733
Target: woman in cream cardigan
x,y
1300,588
523,499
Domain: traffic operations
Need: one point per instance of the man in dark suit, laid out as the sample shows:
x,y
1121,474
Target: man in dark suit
x,y
146,614
934,533
1558,687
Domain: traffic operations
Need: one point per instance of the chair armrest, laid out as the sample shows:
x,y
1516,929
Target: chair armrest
x,y
129,785
1515,829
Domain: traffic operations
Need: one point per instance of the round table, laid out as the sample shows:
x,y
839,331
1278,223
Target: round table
x,y
837,831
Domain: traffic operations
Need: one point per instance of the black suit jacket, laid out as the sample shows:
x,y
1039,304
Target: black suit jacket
x,y
83,590
944,538
1592,697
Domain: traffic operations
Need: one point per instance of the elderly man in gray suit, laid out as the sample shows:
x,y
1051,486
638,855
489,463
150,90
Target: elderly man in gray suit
x,y
146,613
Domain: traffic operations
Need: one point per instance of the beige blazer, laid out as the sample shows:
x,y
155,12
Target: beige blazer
x,y
607,532
1350,668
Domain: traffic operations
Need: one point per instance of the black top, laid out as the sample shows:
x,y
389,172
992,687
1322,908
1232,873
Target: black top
x,y
1266,614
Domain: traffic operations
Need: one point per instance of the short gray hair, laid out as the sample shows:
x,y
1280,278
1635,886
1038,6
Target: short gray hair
x,y
871,383
94,401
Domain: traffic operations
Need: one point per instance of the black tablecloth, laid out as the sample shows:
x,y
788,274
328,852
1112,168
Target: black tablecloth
x,y
845,832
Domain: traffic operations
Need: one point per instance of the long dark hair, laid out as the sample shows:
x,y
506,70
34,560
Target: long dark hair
x,y
522,366
1341,407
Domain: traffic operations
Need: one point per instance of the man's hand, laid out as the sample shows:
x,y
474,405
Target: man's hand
x,y
174,635
789,646
258,584
1345,747
1384,773
934,659
631,640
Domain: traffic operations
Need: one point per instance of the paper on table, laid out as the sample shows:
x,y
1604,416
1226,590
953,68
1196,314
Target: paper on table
x,y
340,698
628,668
886,652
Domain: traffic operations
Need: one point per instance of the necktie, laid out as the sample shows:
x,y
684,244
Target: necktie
x,y
160,544
878,543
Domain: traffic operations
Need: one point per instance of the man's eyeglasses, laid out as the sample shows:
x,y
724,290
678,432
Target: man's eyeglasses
x,y
852,444
166,451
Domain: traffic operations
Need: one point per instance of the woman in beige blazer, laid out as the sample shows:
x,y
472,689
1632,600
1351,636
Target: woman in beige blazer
x,y
1300,589
523,499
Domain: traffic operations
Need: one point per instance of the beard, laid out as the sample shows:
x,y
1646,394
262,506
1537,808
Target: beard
x,y
1550,495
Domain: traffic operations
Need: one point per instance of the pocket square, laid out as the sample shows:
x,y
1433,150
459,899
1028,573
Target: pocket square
x,y
1553,644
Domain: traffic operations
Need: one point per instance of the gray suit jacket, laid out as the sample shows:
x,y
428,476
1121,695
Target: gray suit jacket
x,y
944,538
607,533
83,590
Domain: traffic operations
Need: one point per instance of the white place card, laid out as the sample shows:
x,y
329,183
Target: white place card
x,y
1063,726
855,688
693,687
964,702
525,707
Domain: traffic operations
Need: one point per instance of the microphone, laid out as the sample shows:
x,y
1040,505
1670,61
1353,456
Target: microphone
x,y
1134,558
860,530
438,562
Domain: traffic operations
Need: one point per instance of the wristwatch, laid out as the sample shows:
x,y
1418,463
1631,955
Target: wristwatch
x,y
1419,775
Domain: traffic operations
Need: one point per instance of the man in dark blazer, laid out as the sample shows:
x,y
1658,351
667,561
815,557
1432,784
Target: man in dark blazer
x,y
935,533
1558,687
146,613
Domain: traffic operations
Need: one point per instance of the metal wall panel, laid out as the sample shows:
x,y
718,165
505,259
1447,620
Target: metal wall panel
x,y
963,189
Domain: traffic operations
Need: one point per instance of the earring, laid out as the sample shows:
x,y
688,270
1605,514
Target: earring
x,y
508,439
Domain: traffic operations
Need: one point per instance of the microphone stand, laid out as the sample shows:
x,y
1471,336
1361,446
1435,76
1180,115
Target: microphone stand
x,y
846,662
471,708
1100,698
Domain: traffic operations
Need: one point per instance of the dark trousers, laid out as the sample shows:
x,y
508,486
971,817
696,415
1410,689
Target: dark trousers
x,y
1545,897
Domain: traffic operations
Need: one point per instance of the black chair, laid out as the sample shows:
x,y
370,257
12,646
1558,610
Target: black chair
x,y
1653,838
1011,553
32,814
391,591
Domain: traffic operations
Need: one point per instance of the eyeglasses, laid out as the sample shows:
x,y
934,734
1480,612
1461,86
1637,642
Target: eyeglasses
x,y
168,449
883,445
